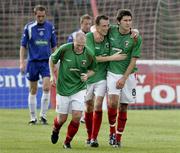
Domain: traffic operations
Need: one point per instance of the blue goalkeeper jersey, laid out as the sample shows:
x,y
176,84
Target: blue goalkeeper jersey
x,y
39,38
72,36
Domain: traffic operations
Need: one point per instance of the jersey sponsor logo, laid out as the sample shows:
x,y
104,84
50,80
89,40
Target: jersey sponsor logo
x,y
97,48
117,49
40,29
68,60
74,69
41,42
83,62
126,43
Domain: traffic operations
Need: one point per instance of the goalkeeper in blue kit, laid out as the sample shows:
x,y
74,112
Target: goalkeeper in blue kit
x,y
40,39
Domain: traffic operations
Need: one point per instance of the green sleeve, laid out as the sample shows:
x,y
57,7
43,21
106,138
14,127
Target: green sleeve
x,y
137,48
90,41
58,54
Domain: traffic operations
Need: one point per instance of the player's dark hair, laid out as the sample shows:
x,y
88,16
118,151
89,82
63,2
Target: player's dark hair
x,y
39,8
123,12
99,18
85,17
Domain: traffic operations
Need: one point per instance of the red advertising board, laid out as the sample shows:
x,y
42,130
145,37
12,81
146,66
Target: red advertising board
x,y
158,85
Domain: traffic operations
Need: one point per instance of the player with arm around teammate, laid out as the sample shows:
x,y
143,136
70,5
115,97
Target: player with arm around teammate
x,y
76,66
39,36
96,84
121,78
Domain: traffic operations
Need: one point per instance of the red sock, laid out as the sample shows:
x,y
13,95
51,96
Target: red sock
x,y
112,113
89,122
56,125
72,130
97,119
121,125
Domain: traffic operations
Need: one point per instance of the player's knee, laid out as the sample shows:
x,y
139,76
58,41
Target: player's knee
x,y
113,104
76,116
123,107
62,119
89,108
98,104
46,88
98,108
33,91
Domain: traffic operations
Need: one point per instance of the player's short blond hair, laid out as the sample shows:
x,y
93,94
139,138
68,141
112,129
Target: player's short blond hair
x,y
85,17
39,8
80,36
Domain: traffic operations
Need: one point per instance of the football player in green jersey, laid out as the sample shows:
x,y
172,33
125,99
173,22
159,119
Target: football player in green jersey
x,y
96,85
76,66
85,25
121,78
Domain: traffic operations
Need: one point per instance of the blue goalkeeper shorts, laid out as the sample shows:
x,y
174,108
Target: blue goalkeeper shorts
x,y
37,68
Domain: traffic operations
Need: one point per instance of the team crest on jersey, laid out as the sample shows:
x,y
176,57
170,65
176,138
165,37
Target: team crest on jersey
x,y
41,33
107,45
126,43
83,62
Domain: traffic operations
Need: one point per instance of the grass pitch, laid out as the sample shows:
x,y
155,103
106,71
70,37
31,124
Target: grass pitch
x,y
147,131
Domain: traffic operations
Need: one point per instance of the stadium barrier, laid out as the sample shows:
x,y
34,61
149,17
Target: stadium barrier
x,y
158,86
